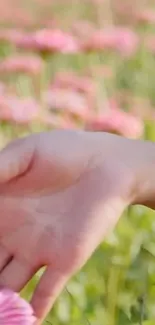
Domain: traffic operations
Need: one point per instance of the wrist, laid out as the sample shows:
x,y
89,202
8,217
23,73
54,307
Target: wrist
x,y
113,155
134,160
145,173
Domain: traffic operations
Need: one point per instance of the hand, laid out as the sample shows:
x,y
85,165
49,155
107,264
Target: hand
x,y
60,194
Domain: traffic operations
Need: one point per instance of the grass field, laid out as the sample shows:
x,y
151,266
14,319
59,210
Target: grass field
x,y
88,65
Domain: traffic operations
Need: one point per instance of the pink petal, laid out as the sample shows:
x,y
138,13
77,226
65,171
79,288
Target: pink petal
x,y
14,309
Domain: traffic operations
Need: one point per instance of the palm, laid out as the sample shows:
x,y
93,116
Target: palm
x,y
53,212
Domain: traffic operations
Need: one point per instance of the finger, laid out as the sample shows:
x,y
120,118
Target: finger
x,y
16,274
5,257
51,284
15,159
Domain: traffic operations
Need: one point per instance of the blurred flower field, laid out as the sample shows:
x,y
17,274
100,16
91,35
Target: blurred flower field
x,y
87,65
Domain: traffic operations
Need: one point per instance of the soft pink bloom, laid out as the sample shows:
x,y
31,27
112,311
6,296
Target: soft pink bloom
x,y
14,310
120,39
67,101
117,121
16,37
48,40
55,41
146,16
126,41
70,80
18,110
21,63
22,39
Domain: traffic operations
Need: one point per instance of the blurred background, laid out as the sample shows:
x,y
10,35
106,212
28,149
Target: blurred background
x,y
87,65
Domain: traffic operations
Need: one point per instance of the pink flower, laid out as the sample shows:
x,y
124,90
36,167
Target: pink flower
x,y
18,110
16,37
14,309
146,16
48,40
120,39
21,63
21,39
55,41
69,80
117,121
67,101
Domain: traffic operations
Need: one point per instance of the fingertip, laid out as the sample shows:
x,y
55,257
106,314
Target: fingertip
x,y
49,287
15,159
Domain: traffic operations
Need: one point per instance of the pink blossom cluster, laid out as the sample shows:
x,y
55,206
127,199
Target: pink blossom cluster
x,y
43,40
22,64
123,40
35,44
118,122
120,39
18,110
69,102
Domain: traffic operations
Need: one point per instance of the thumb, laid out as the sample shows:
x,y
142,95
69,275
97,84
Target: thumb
x,y
50,286
16,158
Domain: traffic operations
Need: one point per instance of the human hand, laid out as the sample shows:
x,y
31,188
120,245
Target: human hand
x,y
60,194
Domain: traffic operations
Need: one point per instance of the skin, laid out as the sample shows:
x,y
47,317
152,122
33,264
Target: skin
x,y
61,192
